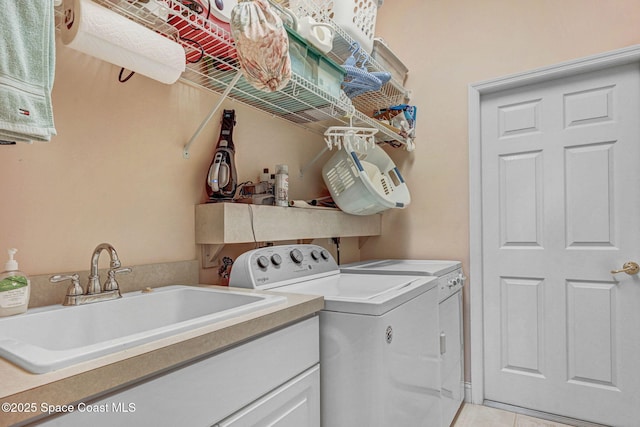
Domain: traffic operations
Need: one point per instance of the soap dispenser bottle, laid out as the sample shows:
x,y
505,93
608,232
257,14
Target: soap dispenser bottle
x,y
15,288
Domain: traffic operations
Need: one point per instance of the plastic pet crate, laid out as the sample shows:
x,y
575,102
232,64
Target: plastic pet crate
x,y
364,181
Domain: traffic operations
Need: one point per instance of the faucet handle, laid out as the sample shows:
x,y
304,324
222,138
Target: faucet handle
x,y
111,284
74,288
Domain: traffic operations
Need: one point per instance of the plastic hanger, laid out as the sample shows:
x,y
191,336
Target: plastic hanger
x,y
358,79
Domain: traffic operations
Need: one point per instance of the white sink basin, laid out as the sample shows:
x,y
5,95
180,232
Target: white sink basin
x,y
49,338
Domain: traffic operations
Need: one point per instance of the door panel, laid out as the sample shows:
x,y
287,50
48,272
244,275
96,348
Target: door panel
x,y
591,338
521,199
589,195
560,210
521,324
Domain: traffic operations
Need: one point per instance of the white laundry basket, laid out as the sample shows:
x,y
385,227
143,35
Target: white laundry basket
x,y
365,181
356,17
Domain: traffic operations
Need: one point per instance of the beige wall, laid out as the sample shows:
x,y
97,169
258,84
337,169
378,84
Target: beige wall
x,y
447,45
115,171
450,44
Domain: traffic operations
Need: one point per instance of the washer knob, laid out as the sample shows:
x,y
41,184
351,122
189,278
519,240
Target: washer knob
x,y
315,255
296,256
456,281
276,259
263,261
325,255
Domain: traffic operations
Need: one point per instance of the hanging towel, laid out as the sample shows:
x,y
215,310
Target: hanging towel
x,y
27,66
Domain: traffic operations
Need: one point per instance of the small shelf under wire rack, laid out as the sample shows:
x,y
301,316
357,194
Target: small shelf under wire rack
x,y
212,64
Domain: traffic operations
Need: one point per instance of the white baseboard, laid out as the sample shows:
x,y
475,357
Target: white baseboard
x,y
541,415
467,392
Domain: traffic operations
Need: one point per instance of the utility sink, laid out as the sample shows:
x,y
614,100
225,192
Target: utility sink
x,y
53,337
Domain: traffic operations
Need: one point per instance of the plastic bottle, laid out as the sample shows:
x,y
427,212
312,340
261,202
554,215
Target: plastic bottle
x,y
264,176
282,185
15,288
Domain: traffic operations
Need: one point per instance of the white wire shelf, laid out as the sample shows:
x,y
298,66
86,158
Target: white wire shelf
x,y
391,93
213,64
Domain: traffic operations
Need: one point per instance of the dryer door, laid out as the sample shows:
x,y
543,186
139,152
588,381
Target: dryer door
x,y
451,348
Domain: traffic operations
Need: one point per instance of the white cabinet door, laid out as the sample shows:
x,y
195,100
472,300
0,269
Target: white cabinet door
x,y
561,209
295,404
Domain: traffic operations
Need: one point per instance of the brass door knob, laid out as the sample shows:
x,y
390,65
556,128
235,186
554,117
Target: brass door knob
x,y
630,268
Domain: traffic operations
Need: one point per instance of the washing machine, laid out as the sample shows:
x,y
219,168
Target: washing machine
x,y
379,340
450,283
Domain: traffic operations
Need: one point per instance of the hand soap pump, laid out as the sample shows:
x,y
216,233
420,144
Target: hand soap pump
x,y
15,288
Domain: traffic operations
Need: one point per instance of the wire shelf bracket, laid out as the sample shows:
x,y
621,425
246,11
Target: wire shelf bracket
x,y
306,167
185,151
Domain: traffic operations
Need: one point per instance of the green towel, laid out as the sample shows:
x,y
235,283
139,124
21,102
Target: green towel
x,y
27,67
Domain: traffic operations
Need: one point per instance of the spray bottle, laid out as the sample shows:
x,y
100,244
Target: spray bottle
x,y
282,185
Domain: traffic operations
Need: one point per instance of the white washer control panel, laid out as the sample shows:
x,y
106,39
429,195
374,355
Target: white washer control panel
x,y
451,283
273,266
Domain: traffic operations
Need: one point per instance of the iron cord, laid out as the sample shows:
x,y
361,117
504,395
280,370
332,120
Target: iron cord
x,y
336,241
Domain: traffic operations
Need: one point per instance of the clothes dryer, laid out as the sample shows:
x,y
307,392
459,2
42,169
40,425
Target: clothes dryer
x,y
450,283
379,341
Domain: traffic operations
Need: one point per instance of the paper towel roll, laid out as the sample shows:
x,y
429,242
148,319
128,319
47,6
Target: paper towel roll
x,y
100,32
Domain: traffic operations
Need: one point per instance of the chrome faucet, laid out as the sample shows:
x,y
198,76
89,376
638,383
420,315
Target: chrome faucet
x,y
93,287
94,292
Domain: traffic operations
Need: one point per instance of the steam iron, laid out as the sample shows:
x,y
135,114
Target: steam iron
x,y
222,179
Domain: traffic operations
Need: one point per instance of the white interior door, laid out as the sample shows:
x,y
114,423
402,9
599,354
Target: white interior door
x,y
560,210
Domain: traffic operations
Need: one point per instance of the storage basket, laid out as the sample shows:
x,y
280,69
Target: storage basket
x,y
364,181
388,60
202,31
312,65
356,17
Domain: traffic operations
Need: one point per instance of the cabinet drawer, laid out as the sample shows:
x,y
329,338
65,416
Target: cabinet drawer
x,y
295,404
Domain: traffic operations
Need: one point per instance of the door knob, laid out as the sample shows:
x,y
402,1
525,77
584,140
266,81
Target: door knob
x,y
630,268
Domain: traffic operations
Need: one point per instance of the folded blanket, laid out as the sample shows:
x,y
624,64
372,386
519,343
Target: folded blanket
x,y
27,66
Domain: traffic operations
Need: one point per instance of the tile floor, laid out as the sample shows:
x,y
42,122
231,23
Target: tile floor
x,y
484,416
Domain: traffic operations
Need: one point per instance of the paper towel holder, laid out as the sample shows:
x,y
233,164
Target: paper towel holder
x,y
125,79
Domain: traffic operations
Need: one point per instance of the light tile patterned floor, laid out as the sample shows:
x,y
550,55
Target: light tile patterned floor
x,y
483,416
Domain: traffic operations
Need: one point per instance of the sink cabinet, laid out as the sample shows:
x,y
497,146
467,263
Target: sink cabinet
x,y
272,377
